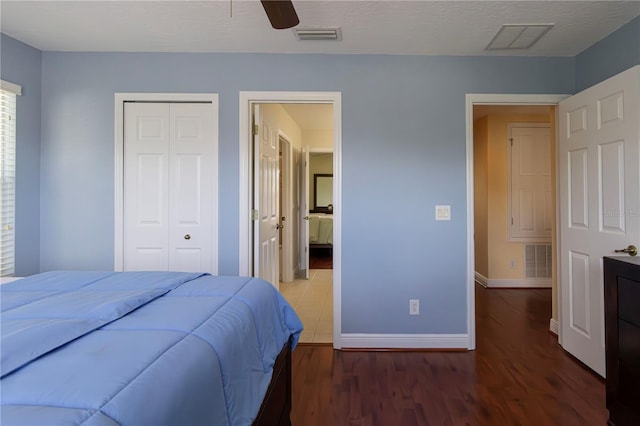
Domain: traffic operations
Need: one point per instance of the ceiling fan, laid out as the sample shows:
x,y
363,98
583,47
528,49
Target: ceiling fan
x,y
281,13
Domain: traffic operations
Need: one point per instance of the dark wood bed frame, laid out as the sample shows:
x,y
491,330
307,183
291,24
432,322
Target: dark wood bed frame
x,y
321,245
276,406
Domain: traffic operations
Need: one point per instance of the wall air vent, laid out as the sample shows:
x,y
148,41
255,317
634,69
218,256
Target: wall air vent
x,y
318,34
518,36
537,260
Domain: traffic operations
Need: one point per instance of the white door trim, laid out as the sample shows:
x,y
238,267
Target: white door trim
x,y
287,271
247,99
118,204
491,99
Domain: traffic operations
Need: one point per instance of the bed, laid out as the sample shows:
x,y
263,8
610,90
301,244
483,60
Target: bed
x,y
145,348
321,231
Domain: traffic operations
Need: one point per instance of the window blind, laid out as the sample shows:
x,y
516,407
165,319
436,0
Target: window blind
x,y
8,94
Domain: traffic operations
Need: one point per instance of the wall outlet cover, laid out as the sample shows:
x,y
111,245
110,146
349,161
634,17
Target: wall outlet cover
x,y
414,306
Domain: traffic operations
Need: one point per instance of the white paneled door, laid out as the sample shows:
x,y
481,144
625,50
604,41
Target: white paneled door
x,y
169,154
531,213
304,211
599,159
266,199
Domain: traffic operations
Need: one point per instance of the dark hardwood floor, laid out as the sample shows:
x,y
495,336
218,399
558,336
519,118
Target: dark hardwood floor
x,y
518,375
321,258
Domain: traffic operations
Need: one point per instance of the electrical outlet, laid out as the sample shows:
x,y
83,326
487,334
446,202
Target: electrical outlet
x,y
414,306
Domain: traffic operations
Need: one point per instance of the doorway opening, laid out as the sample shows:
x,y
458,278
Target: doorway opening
x,y
319,240
514,194
514,212
289,116
481,234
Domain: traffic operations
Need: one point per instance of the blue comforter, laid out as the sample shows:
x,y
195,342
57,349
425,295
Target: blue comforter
x,y
139,348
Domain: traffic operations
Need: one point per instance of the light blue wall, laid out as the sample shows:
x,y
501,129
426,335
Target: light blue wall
x,y
22,64
403,153
613,54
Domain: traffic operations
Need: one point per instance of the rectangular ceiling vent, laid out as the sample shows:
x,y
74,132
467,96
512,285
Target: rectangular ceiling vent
x,y
318,34
518,36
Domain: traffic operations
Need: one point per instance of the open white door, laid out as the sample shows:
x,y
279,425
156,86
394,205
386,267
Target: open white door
x,y
304,212
266,255
600,203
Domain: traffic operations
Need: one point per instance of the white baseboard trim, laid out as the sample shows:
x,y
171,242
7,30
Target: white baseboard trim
x,y
5,280
519,283
481,279
405,341
553,326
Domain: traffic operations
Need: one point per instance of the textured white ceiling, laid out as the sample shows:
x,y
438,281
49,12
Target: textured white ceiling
x,y
368,27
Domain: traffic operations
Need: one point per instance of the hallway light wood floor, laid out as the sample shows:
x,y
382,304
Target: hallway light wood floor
x,y
518,375
312,300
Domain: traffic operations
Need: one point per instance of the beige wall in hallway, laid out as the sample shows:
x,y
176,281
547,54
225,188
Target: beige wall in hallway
x,y
318,164
480,184
318,138
494,251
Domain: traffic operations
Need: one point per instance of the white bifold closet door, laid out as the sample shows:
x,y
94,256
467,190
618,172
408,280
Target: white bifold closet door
x,y
168,186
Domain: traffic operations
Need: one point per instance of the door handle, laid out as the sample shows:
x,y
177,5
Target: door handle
x,y
306,218
278,226
631,250
187,237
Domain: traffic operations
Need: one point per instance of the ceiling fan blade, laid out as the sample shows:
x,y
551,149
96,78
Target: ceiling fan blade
x,y
281,13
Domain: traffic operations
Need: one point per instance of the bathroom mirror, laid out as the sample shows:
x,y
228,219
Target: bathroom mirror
x,y
323,192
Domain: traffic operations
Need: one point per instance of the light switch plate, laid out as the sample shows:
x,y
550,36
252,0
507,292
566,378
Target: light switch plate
x,y
443,212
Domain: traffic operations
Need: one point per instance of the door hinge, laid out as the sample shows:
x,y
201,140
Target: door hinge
x,y
254,214
255,130
512,221
511,140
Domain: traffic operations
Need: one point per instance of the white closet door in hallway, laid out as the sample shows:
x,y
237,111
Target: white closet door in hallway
x,y
169,154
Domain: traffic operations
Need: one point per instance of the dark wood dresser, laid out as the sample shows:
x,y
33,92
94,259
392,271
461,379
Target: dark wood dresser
x,y
622,330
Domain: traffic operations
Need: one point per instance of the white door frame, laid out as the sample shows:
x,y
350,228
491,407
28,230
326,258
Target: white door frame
x,y
118,189
286,271
495,99
247,99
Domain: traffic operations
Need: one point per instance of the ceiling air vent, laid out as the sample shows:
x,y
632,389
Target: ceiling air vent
x,y
518,36
308,34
